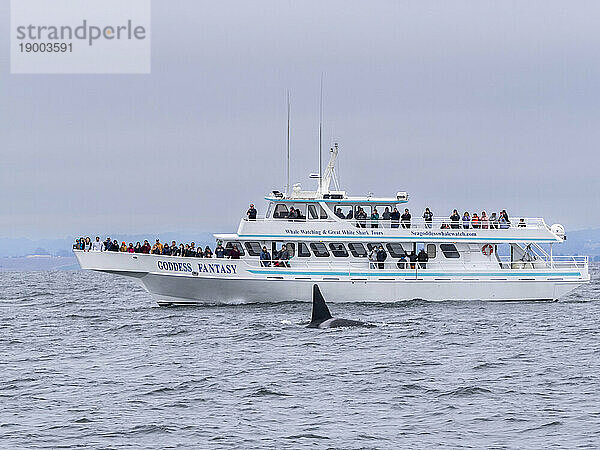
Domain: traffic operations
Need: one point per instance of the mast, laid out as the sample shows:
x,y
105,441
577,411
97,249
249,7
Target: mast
x,y
287,186
321,136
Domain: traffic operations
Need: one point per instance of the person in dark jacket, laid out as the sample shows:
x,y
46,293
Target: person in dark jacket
x,y
405,219
107,244
395,216
428,217
234,252
219,250
146,247
284,257
386,216
138,247
265,257
455,218
422,257
115,246
166,250
251,213
381,257
208,252
413,260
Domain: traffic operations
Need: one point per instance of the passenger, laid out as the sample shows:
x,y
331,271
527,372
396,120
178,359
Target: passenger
x,y
251,213
387,216
405,219
138,247
107,244
428,216
123,247
373,257
484,220
130,249
381,257
115,246
193,249
208,252
284,256
374,218
412,257
475,221
234,252
186,250
219,250
505,214
77,244
339,213
174,249
146,247
199,252
503,224
97,245
422,257
157,248
522,223
494,221
401,262
293,214
276,257
455,218
350,214
87,246
181,250
166,250
265,257
395,216
361,215
466,220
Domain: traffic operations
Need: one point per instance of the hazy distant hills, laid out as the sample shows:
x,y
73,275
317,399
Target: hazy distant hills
x,y
584,242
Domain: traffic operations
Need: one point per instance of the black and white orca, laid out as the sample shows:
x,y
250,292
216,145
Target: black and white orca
x,y
321,317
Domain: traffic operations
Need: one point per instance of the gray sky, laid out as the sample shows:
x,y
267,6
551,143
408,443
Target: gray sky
x,y
470,105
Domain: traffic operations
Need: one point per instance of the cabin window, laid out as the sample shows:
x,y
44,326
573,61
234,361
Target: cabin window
x,y
431,251
343,211
303,251
396,250
372,245
319,249
338,249
281,211
316,211
230,245
449,250
291,248
300,213
253,248
357,250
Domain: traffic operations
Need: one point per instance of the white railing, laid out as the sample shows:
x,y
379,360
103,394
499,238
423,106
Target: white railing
x,y
566,262
420,223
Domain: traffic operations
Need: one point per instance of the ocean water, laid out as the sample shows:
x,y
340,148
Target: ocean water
x,y
88,360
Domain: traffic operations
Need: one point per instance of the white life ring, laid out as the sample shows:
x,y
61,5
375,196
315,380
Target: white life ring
x,y
487,249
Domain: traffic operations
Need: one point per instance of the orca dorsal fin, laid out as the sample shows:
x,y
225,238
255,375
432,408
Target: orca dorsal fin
x,y
320,311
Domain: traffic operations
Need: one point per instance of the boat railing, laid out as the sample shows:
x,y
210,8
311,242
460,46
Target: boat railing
x,y
420,223
559,262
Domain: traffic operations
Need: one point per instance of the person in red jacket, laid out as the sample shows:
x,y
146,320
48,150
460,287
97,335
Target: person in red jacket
x,y
146,247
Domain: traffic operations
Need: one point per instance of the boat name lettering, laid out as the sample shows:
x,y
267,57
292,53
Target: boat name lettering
x,y
174,266
442,233
217,268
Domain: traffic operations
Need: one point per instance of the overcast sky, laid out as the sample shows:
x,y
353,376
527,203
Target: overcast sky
x,y
470,105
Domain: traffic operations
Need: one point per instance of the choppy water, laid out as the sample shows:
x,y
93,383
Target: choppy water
x,y
87,359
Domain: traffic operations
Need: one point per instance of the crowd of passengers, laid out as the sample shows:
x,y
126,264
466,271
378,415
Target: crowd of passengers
x,y
397,220
158,248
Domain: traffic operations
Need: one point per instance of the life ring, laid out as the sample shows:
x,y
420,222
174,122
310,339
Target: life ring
x,y
487,249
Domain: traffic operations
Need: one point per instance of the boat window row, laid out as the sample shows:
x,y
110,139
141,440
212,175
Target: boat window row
x,y
303,211
342,250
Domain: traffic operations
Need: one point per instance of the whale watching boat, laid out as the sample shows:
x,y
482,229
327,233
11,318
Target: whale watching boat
x,y
329,239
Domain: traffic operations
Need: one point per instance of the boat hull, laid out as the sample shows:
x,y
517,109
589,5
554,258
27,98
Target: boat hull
x,y
187,281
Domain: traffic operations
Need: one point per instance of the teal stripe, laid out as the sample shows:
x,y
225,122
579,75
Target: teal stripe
x,y
421,274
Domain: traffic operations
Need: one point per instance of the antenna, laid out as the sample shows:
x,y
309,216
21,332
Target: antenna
x,y
321,134
287,186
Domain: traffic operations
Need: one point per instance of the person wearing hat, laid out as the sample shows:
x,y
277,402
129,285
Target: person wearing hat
x,y
123,247
251,213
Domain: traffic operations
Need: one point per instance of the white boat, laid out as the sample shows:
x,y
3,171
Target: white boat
x,y
329,245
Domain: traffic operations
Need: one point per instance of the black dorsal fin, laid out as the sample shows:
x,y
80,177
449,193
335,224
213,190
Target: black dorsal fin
x,y
320,312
